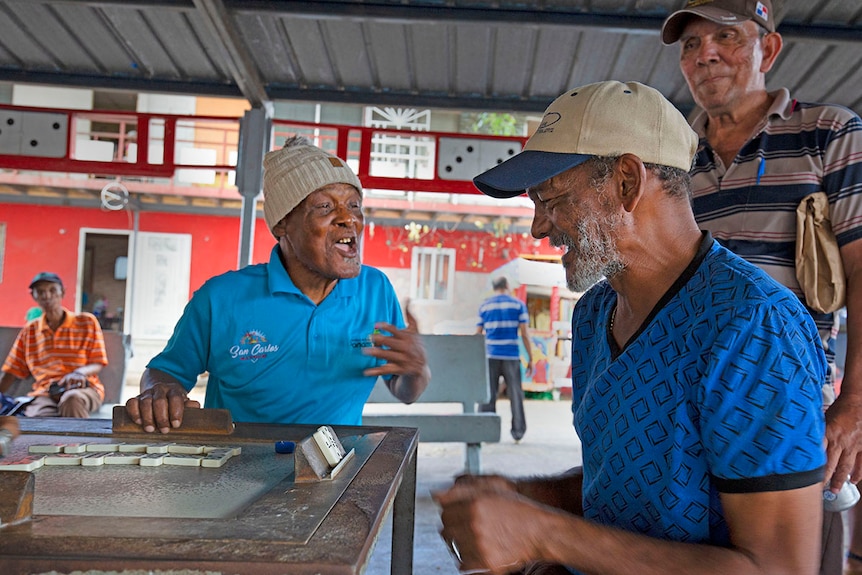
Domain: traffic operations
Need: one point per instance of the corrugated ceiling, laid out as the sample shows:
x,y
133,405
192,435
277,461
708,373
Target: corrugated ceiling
x,y
464,54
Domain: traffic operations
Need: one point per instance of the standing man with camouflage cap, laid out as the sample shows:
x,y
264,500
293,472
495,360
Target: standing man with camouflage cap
x,y
760,153
299,339
695,377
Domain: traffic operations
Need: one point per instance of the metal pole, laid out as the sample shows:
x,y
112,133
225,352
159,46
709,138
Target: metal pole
x,y
132,276
255,139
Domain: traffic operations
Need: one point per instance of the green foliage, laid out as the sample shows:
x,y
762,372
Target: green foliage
x,y
496,124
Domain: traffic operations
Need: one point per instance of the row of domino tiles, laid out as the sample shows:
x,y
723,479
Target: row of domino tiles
x,y
94,454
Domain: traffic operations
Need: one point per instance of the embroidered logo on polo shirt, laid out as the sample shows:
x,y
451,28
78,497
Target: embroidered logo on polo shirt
x,y
365,341
252,347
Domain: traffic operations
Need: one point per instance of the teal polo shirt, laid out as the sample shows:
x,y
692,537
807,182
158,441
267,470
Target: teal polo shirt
x,y
272,355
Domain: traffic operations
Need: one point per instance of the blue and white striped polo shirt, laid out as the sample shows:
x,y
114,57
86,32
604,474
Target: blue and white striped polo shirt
x,y
501,316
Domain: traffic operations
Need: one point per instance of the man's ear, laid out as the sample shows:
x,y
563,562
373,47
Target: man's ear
x,y
772,44
631,174
279,229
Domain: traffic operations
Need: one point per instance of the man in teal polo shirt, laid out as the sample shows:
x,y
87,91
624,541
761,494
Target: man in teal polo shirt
x,y
303,338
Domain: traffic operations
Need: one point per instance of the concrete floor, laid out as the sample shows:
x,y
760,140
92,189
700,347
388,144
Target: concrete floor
x,y
550,446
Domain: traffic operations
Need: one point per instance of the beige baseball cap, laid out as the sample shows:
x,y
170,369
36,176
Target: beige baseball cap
x,y
727,12
601,119
297,170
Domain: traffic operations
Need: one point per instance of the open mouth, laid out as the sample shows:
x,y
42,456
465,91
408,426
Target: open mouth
x,y
347,246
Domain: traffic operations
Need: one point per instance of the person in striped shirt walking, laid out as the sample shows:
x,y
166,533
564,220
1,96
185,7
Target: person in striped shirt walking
x,y
503,318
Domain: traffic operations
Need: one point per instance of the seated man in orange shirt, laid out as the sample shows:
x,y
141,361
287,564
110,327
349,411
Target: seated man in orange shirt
x,y
63,351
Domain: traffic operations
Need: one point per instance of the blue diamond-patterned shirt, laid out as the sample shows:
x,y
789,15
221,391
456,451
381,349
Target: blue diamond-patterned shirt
x,y
718,391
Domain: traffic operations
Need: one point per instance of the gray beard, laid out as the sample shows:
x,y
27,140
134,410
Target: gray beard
x,y
596,254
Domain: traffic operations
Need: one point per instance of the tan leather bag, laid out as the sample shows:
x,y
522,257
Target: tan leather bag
x,y
818,260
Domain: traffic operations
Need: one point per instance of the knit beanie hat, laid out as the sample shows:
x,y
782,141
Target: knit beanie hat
x,y
294,172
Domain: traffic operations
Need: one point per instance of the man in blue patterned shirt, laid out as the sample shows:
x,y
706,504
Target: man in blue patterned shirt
x,y
695,377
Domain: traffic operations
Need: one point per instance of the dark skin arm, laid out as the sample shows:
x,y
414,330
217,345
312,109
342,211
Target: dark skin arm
x,y
559,491
498,527
844,417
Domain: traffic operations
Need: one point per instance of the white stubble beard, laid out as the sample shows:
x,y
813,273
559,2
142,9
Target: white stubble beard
x,y
596,253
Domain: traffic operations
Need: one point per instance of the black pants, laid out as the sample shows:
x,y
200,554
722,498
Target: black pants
x,y
510,370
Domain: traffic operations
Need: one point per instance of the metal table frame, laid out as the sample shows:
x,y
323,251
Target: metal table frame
x,y
384,478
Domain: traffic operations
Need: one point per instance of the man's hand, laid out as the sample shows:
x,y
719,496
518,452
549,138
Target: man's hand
x,y
844,439
486,483
73,380
404,356
484,525
161,406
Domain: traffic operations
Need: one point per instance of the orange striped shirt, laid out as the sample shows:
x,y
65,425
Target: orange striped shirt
x,y
48,355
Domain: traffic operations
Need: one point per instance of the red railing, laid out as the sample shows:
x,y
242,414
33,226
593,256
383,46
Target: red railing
x,y
201,151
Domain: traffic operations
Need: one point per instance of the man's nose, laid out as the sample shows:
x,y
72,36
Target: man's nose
x,y
707,52
541,226
345,215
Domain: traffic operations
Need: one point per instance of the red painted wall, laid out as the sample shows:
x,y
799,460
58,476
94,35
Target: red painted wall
x,y
47,238
476,251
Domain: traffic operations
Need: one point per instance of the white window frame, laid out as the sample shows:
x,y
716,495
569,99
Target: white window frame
x,y
397,155
424,276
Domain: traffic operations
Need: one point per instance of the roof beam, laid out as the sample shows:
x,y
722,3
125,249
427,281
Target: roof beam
x,y
533,13
233,51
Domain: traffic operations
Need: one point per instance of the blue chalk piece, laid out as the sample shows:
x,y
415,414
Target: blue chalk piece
x,y
284,446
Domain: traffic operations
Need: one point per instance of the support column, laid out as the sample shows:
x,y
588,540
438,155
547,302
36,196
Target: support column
x,y
255,139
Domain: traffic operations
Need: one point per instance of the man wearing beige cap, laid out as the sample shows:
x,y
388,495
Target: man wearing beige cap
x,y
760,153
695,377
303,338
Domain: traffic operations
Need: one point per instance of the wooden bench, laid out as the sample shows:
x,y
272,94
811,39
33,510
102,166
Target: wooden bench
x,y
113,375
459,374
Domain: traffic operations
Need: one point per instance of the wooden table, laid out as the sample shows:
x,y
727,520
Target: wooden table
x,y
248,517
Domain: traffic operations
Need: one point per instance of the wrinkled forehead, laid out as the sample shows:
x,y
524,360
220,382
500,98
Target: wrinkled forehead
x,y
695,25
556,185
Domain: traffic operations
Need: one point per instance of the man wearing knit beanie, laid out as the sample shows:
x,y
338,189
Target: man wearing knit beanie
x,y
303,338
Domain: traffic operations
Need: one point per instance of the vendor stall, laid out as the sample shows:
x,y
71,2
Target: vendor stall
x,y
541,284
